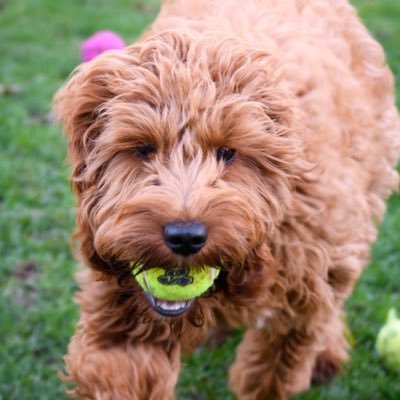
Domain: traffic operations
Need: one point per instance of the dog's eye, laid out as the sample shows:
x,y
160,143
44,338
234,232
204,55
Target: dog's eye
x,y
145,151
226,154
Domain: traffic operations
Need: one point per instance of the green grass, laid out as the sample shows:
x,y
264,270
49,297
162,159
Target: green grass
x,y
39,47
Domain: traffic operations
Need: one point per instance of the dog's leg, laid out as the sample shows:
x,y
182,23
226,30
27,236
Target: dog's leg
x,y
121,371
114,354
271,367
335,352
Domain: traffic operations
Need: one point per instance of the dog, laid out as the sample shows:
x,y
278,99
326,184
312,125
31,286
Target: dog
x,y
269,127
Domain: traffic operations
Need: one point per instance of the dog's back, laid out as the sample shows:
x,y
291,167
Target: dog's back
x,y
342,91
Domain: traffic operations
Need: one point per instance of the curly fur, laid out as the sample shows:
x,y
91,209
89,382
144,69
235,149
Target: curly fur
x,y
302,92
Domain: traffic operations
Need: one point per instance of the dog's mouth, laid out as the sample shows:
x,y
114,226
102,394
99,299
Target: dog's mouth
x,y
172,291
168,308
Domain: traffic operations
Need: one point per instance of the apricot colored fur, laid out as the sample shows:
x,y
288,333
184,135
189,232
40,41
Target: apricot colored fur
x,y
303,94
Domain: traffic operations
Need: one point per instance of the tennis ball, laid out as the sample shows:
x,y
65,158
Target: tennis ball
x,y
183,283
388,342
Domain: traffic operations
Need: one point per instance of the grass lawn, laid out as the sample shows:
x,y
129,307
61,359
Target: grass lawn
x,y
39,41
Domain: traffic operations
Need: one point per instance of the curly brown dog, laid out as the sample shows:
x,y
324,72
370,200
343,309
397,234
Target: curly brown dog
x,y
265,133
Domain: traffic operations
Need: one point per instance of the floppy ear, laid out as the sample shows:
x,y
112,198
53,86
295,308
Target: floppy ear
x,y
278,151
81,105
78,105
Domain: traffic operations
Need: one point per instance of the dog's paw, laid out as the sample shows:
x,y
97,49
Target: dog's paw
x,y
325,369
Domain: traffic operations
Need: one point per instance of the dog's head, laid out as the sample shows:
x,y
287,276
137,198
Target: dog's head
x,y
182,151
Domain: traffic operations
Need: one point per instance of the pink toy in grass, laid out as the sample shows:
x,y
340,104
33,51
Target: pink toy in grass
x,y
100,42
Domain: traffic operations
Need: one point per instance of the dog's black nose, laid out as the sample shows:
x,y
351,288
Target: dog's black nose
x,y
185,237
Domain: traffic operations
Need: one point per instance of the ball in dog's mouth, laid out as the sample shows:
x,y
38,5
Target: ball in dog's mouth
x,y
172,291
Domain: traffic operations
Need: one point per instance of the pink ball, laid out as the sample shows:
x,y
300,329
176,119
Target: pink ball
x,y
100,42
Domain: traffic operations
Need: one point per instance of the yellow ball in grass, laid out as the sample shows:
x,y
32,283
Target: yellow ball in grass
x,y
388,342
176,284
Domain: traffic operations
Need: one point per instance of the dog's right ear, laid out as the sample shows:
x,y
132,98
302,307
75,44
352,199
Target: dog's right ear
x,y
81,105
78,106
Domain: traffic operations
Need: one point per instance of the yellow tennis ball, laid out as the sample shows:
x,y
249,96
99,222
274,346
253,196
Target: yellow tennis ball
x,y
388,342
183,283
